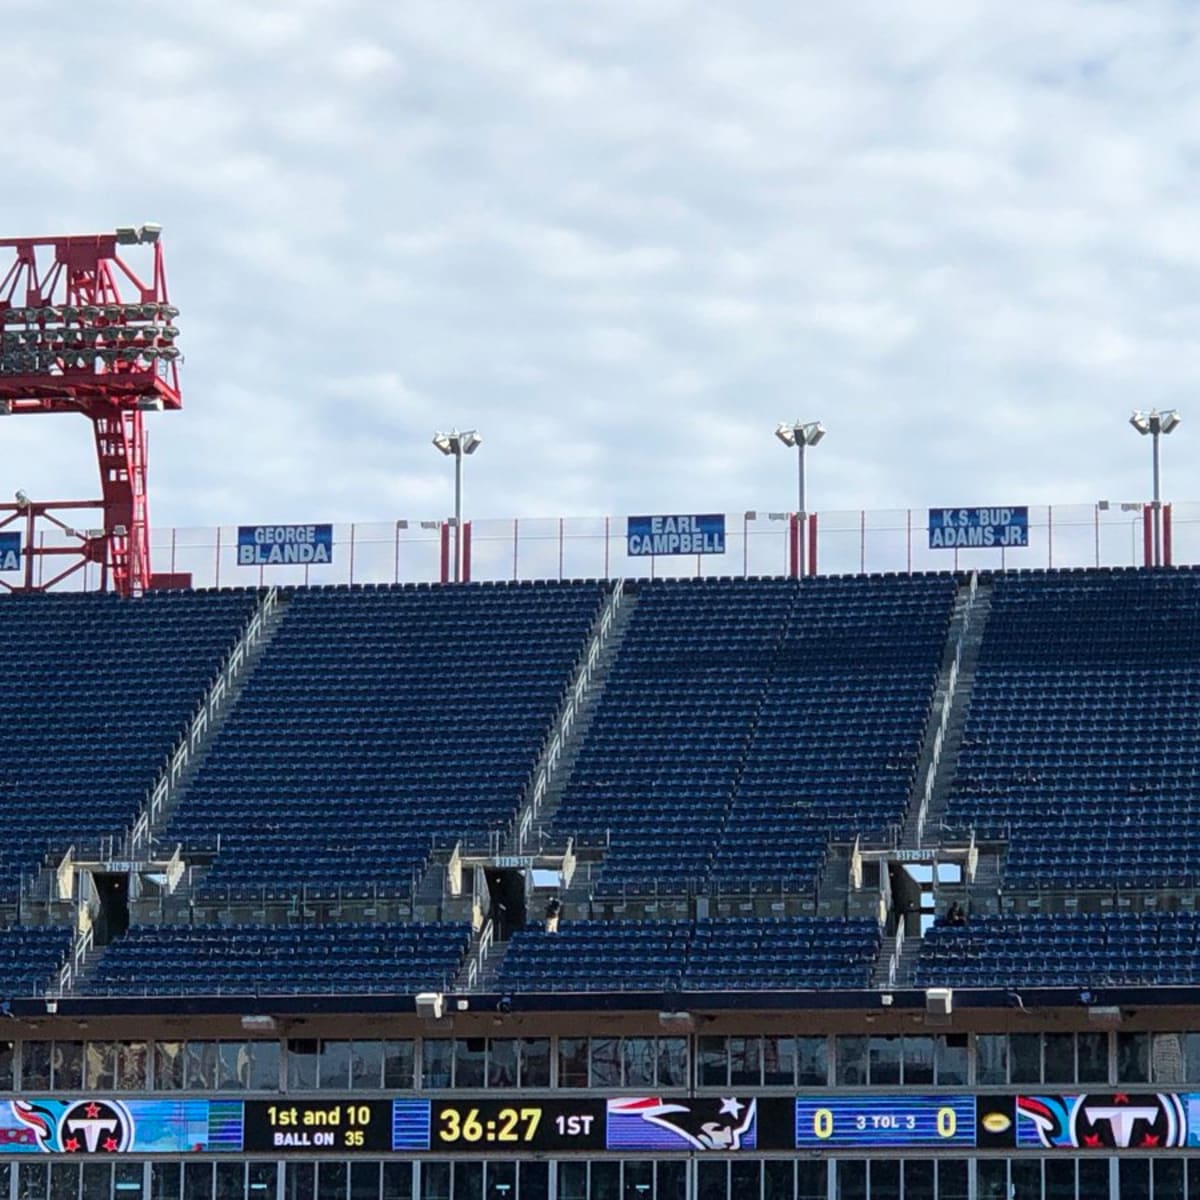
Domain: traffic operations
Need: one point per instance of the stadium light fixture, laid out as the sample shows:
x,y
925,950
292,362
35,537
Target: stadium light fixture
x,y
801,435
1155,424
21,499
458,444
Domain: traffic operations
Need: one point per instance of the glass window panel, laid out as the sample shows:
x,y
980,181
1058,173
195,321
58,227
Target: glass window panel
x,y
1193,1178
918,1177
952,1179
1133,1058
605,1181
991,1179
812,1177
851,1063
398,1181
470,1055
435,1180
168,1066
100,1066
572,1062
606,1062
535,1181
233,1066
779,1061
7,1065
745,1061
852,1179
744,1179
712,1180
1025,1061
333,1068
366,1065
261,1180
31,1181
885,1177
991,1058
1060,1179
672,1062
64,1182
951,1055
712,1067
502,1063
128,1181
67,1061
572,1181
1026,1177
638,1054
535,1062
165,1181
201,1066
331,1180
1059,1064
1167,1057
779,1181
812,1061
437,1058
364,1181
198,1182
1091,1051
1134,1177
918,1060
885,1060
299,1180
398,1059
231,1181
132,1066
501,1180
263,1073
1168,1178
35,1066
97,1181
468,1181
1093,1179
670,1179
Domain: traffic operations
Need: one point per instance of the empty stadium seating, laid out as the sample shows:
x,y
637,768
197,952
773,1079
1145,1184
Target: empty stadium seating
x,y
30,958
380,720
1083,738
707,955
1063,951
747,721
268,960
97,690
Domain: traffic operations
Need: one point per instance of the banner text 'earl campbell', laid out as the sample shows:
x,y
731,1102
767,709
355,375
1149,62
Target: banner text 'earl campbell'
x,y
677,534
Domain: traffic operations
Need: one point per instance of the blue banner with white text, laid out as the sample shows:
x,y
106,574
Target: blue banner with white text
x,y
10,551
284,545
978,528
677,534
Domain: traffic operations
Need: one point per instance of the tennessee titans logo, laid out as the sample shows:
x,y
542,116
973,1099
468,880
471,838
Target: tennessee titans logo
x,y
95,1127
1116,1122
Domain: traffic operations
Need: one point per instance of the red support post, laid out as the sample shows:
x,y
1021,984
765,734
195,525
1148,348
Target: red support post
x,y
444,530
794,565
1166,535
812,543
466,566
1148,536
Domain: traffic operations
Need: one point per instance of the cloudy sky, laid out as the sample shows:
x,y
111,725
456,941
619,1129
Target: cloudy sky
x,y
624,239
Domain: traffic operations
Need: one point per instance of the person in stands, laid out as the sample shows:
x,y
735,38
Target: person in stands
x,y
553,912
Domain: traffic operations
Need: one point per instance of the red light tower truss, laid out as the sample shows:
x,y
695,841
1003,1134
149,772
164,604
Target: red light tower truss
x,y
81,332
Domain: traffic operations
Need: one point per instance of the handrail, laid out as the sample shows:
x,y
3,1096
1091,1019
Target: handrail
x,y
189,743
577,694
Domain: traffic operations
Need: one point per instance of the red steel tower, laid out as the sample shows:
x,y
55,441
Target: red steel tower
x,y
81,332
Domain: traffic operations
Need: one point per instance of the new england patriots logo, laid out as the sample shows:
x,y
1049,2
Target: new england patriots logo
x,y
652,1123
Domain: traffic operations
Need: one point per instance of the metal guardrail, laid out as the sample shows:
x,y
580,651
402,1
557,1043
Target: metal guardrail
x,y
214,700
577,693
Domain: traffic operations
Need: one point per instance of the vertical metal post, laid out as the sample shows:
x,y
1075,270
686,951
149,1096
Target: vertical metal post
x,y
801,509
1158,559
458,507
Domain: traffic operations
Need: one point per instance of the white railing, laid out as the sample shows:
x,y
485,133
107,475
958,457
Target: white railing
x,y
214,700
71,969
577,694
897,950
939,740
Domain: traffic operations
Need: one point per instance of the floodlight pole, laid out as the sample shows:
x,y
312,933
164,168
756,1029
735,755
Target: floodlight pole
x,y
1156,429
801,434
458,510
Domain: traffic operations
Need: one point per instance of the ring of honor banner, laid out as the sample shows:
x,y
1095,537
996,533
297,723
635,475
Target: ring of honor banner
x,y
978,528
284,545
96,1125
648,536
10,551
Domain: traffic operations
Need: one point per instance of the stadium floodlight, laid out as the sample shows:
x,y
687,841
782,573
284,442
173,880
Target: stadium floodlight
x,y
21,498
800,434
458,444
1154,424
127,235
149,233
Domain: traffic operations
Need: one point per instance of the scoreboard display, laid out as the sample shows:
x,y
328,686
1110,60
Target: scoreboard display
x,y
883,1122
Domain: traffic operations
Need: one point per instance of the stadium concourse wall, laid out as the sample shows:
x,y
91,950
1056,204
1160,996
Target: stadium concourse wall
x,y
757,542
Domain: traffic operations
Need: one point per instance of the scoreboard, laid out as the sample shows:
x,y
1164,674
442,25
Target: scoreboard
x,y
519,1124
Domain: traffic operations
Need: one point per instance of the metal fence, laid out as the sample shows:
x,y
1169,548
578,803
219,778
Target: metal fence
x,y
756,543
